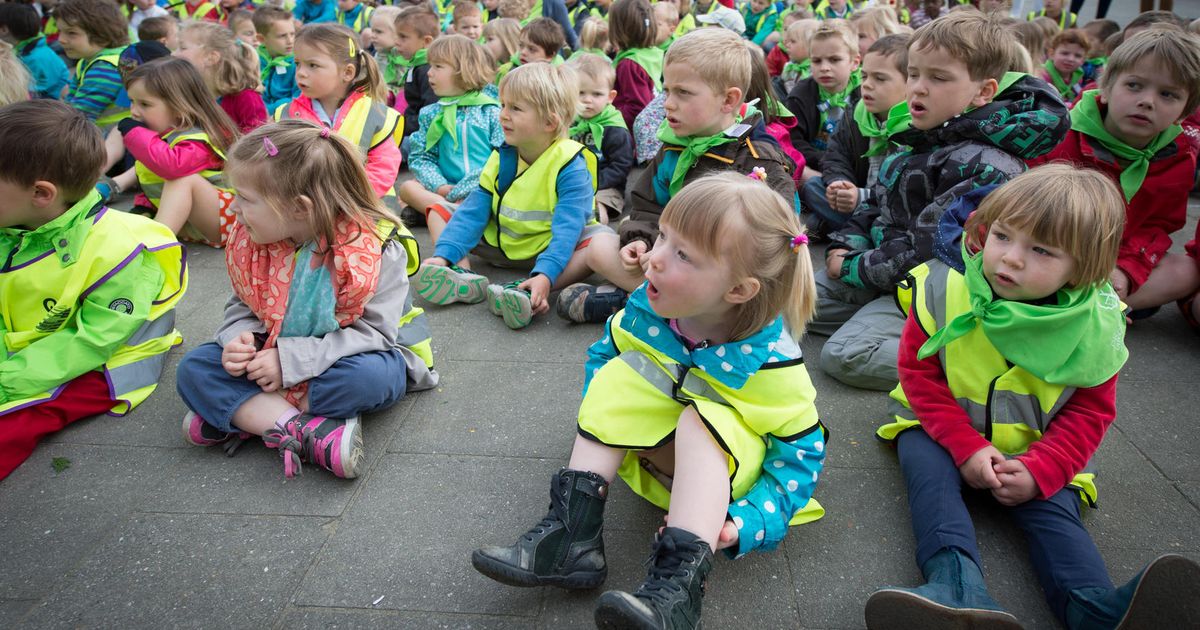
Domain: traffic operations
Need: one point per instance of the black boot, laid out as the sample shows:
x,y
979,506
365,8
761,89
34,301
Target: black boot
x,y
672,593
1163,595
566,548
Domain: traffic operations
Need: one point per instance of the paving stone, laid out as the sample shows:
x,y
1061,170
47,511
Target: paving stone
x,y
195,571
1153,418
1162,351
469,332
334,618
13,610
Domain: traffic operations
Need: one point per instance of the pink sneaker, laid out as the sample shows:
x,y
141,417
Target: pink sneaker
x,y
197,432
331,443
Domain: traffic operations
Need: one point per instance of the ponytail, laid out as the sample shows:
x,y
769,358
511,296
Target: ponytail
x,y
368,79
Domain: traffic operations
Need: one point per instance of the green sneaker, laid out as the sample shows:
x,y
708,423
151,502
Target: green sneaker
x,y
449,284
510,303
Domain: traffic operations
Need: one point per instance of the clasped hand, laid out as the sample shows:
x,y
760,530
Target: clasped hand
x,y
1009,481
240,357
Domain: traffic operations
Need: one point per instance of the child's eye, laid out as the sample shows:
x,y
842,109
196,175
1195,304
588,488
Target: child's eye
x,y
1170,95
1133,85
1037,249
682,255
1000,236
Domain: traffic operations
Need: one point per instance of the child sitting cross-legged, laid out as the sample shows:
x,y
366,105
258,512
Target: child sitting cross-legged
x,y
601,128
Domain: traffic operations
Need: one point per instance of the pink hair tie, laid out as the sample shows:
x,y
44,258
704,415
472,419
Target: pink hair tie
x,y
270,147
758,173
798,240
324,132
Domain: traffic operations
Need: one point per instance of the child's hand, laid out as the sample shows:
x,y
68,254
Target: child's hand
x,y
539,289
977,470
1017,485
436,261
1120,283
238,353
265,370
842,196
833,262
444,190
633,257
728,536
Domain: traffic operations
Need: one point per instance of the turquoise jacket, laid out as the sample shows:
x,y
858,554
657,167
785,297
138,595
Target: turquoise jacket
x,y
49,72
456,163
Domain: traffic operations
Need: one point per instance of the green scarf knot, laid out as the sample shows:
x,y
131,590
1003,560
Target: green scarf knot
x,y
446,122
650,59
803,69
1086,119
693,148
608,117
271,62
828,101
898,119
1065,90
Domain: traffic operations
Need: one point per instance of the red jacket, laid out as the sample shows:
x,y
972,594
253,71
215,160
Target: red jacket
x,y
1157,210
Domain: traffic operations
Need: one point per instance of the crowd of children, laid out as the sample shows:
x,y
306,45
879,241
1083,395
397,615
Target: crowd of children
x,y
999,197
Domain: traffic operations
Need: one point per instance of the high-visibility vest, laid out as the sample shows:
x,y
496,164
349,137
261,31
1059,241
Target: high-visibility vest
x,y
521,214
152,184
360,21
114,113
1066,19
111,241
1006,404
200,12
412,331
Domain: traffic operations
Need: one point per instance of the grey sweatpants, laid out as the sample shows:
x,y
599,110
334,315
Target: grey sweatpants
x,y
864,328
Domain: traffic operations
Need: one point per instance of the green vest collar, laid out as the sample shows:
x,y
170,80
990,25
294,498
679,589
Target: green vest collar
x,y
65,234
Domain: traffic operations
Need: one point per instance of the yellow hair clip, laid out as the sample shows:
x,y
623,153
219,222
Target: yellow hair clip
x,y
353,52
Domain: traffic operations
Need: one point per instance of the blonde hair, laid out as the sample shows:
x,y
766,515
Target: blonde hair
x,y
1077,210
594,35
977,39
508,32
1030,36
386,12
336,40
514,9
552,92
179,84
324,167
1049,26
744,224
717,55
881,20
472,67
237,65
802,28
15,81
594,67
1170,46
835,29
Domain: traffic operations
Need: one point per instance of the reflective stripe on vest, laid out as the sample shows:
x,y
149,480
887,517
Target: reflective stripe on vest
x,y
152,184
202,10
360,21
366,123
112,114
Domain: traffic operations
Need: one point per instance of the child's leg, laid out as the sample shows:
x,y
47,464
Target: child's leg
x,y
837,302
700,488
1175,277
413,194
603,256
939,517
193,200
595,457
863,352
114,149
20,430
127,180
261,412
358,384
227,403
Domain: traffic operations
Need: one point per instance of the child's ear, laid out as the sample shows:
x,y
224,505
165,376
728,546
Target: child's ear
x,y
44,194
303,208
612,95
857,60
743,291
733,99
349,72
987,92
259,38
427,40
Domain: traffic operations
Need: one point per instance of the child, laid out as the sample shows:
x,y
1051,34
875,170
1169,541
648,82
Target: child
x,y
1130,131
491,10
821,101
299,370
415,29
457,133
760,17
1008,381
179,138
144,9
241,22
15,80
93,32
21,27
639,63
341,89
501,39
851,165
276,34
601,128
230,69
540,42
697,396
1031,37
798,66
593,38
1065,67
1053,10
871,24
354,14
468,19
198,10
957,81
315,11
930,10
836,10
164,30
546,224
666,17
89,294
391,64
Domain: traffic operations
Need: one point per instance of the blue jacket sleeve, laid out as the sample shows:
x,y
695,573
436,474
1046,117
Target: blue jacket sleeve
x,y
465,227
556,10
789,476
421,161
599,353
491,117
768,28
576,200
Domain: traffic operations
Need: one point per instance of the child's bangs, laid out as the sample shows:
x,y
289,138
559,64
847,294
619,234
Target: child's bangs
x,y
705,220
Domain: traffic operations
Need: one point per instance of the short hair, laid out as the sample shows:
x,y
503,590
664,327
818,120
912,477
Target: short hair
x,y
473,68
977,39
594,67
464,9
1049,26
1170,46
1029,35
155,28
21,20
421,20
717,55
386,12
515,9
58,144
894,47
631,24
508,32
802,27
1149,18
593,35
1101,29
552,91
1078,210
1072,36
835,29
545,34
15,80
266,17
880,19
670,9
100,19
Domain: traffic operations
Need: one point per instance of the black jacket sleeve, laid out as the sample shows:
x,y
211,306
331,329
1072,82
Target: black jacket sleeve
x,y
844,159
802,102
617,149
418,94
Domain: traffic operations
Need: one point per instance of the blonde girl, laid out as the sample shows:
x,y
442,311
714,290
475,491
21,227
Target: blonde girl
x,y
390,62
14,78
179,138
593,38
310,339
458,133
704,353
639,62
230,69
341,88
872,23
501,39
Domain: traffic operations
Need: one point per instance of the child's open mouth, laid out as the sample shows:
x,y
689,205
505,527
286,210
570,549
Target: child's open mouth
x,y
916,108
651,291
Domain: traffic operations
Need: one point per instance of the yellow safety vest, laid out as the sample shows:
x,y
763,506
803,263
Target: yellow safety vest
x,y
360,22
134,369
1066,19
152,184
202,10
1009,406
413,331
112,114
523,203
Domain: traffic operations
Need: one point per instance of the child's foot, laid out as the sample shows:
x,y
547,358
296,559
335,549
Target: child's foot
x,y
197,432
954,596
586,304
331,443
672,594
449,284
510,303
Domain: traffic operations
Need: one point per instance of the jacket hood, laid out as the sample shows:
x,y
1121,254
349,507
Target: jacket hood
x,y
947,245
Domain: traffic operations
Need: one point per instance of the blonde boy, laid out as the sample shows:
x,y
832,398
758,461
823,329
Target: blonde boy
x,y
601,128
798,66
383,29
821,101
468,19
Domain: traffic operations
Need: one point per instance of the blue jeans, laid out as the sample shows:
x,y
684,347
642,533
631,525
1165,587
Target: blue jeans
x,y
1061,550
355,385
812,196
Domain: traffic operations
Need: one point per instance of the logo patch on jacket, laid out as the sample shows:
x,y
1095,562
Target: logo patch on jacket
x,y
121,305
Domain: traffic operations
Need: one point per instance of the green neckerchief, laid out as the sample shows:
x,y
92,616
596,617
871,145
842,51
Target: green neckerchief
x,y
802,68
667,44
446,122
1065,89
282,61
898,119
1086,119
828,101
650,59
593,51
1076,341
20,46
397,61
1098,61
534,13
693,148
608,117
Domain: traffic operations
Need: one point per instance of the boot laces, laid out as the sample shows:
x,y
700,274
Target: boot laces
x,y
666,564
558,509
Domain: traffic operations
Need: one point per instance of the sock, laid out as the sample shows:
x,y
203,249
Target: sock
x,y
285,417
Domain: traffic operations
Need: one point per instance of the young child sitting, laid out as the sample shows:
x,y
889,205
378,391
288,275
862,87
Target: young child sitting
x,y
144,10
21,27
1130,130
276,32
391,64
850,168
207,10
501,39
1008,379
823,100
760,17
415,29
164,30
311,338
241,22
601,128
872,23
230,69
666,18
798,66
958,79
639,63
704,354
354,14
1064,69
467,20
89,293
457,134
834,10
93,32
593,38
1053,10
315,11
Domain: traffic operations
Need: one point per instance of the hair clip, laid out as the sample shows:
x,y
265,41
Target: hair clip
x,y
270,147
759,173
798,240
646,22
353,50
324,131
